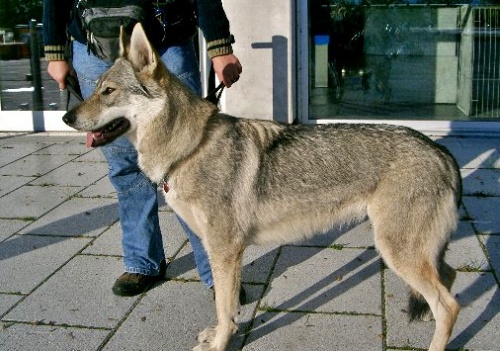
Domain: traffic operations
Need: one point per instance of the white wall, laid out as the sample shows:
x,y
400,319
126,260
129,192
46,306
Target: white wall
x,y
265,45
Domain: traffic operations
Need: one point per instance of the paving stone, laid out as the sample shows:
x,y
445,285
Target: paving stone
x,y
479,318
52,298
464,251
326,280
7,301
30,202
76,217
481,182
14,151
162,204
484,213
9,227
170,317
67,148
492,245
79,294
173,235
349,235
108,243
47,138
94,155
476,327
11,183
183,266
462,212
22,337
302,331
400,333
26,261
35,165
76,174
479,153
452,144
99,189
257,263
468,159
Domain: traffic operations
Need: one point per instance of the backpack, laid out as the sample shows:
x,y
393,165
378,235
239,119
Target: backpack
x,y
101,21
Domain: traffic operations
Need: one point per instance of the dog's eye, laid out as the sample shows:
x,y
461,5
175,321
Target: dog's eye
x,y
108,91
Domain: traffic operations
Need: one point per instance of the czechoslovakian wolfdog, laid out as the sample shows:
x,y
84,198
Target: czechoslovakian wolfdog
x,y
238,182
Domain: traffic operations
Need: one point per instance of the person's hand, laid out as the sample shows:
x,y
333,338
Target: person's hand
x,y
58,70
227,68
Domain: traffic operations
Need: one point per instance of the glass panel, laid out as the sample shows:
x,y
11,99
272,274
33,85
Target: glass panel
x,y
24,82
430,60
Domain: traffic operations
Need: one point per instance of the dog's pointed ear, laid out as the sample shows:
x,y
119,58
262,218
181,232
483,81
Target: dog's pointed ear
x,y
140,52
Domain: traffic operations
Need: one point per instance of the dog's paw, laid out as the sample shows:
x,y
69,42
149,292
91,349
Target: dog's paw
x,y
206,339
204,347
207,336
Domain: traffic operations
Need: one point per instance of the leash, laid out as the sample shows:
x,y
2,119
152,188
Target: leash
x,y
74,88
215,94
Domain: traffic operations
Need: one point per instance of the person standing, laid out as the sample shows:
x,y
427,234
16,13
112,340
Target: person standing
x,y
144,258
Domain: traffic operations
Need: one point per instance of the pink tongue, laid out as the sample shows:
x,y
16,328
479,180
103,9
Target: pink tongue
x,y
91,138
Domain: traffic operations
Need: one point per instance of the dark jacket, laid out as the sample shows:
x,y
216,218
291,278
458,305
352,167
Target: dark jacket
x,y
212,21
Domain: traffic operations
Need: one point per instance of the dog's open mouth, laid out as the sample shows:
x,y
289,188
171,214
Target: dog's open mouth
x,y
108,133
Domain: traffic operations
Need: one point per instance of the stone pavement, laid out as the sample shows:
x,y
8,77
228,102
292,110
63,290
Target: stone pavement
x,y
60,254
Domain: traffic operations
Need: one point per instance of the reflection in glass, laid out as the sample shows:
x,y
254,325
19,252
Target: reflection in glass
x,y
405,60
17,70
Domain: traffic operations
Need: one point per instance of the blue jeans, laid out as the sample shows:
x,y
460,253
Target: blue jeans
x,y
137,195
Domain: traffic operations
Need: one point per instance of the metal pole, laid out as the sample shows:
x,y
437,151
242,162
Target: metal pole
x,y
205,65
35,67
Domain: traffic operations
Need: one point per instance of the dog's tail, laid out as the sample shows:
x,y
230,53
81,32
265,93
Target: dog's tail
x,y
418,308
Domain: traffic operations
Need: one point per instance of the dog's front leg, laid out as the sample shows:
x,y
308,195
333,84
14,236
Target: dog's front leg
x,y
226,269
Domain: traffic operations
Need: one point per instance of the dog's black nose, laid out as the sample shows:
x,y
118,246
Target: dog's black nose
x,y
69,118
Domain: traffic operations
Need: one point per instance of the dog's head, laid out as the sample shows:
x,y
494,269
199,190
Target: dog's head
x,y
127,92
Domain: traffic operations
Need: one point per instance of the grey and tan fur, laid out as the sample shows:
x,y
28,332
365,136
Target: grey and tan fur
x,y
238,182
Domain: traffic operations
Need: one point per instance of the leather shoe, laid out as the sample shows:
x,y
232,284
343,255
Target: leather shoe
x,y
131,284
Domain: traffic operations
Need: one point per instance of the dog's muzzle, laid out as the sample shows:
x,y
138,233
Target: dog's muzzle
x,y
69,118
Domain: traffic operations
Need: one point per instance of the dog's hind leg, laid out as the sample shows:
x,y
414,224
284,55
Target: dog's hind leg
x,y
225,261
424,280
411,238
418,306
